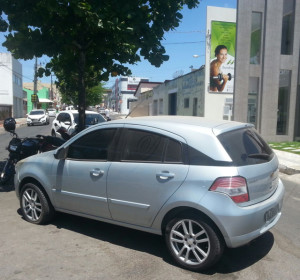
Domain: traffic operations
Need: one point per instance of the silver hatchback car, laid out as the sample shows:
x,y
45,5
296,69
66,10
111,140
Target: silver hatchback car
x,y
201,184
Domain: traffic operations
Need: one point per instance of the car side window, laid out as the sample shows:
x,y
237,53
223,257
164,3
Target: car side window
x,y
92,146
145,146
59,117
174,152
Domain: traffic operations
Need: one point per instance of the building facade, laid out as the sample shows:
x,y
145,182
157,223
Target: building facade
x,y
267,67
11,93
183,95
122,93
144,94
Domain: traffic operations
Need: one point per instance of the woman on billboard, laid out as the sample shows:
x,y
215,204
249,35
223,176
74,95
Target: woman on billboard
x,y
218,80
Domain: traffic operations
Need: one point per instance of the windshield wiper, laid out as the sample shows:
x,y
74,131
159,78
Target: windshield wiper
x,y
259,156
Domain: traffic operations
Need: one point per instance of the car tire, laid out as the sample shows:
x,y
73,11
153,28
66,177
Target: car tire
x,y
193,242
53,134
35,205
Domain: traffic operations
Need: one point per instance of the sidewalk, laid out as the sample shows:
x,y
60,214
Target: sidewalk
x,y
289,163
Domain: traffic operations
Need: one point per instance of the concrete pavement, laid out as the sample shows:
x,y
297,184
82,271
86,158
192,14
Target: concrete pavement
x,y
289,163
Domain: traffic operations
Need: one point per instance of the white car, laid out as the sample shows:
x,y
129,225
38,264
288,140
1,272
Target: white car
x,y
38,116
51,112
69,120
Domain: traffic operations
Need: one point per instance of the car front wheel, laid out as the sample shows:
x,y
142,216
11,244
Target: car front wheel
x,y
35,206
193,242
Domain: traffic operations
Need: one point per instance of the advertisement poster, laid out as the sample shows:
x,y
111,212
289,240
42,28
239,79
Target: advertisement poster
x,y
222,56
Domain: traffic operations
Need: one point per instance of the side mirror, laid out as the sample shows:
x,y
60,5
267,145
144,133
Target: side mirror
x,y
61,153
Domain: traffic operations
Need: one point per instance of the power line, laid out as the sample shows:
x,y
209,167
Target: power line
x,y
16,73
192,31
183,43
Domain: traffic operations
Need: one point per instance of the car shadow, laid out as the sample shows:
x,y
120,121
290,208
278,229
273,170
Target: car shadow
x,y
233,260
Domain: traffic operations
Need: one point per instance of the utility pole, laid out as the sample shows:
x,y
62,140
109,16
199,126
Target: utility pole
x,y
35,84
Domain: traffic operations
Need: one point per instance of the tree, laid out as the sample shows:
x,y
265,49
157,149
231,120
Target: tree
x,y
85,37
94,95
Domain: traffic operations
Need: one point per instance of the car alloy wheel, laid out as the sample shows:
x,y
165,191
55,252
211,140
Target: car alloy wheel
x,y
193,243
34,205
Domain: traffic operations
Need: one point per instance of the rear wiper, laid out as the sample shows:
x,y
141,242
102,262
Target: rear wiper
x,y
260,156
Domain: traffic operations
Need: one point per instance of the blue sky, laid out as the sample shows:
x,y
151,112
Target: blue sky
x,y
181,45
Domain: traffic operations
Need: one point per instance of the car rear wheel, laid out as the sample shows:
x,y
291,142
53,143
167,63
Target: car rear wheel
x,y
193,242
35,206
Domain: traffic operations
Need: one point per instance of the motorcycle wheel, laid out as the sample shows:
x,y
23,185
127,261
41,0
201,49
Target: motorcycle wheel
x,y
7,171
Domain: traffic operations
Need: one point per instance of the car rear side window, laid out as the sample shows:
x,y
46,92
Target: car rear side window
x,y
145,146
246,147
93,146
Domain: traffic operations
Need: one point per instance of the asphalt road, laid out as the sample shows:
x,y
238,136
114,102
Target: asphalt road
x,y
77,248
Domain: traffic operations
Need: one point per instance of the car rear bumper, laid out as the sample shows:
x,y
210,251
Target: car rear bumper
x,y
240,225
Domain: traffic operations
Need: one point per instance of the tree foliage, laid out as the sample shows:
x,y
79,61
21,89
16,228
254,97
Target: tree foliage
x,y
94,95
91,39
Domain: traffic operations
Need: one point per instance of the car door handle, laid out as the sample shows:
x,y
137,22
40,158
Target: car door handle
x,y
96,172
165,175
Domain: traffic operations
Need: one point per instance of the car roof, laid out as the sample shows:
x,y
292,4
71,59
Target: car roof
x,y
178,122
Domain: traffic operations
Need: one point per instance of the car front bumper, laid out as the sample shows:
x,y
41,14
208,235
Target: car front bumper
x,y
36,121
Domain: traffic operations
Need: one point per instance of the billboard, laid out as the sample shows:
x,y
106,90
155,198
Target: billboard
x,y
222,56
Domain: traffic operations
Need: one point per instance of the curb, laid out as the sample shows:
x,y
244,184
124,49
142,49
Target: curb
x,y
288,170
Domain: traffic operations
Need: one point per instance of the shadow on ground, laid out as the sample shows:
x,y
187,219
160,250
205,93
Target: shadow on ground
x,y
6,186
232,261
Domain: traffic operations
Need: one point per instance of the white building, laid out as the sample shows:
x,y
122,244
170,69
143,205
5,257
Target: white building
x,y
11,92
123,93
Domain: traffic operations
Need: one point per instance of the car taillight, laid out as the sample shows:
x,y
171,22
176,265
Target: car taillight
x,y
235,187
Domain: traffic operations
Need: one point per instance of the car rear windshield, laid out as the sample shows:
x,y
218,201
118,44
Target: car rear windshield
x,y
246,147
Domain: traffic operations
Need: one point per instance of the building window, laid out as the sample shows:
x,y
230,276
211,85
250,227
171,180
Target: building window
x,y
160,107
287,35
186,102
255,38
155,108
283,102
252,100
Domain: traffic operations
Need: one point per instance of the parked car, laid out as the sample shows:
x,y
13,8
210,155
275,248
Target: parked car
x,y
51,112
38,116
202,184
69,120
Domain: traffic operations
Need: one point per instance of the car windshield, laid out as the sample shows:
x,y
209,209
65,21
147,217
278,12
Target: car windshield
x,y
36,112
90,119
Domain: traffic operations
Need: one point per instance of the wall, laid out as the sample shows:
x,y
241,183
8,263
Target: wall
x,y
11,93
215,101
189,86
268,70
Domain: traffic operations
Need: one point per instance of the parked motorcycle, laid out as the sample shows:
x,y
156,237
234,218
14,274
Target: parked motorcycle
x,y
20,148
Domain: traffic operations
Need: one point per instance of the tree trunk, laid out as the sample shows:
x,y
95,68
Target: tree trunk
x,y
81,93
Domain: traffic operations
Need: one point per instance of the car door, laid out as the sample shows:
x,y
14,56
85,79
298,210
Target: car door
x,y
59,121
81,177
151,168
